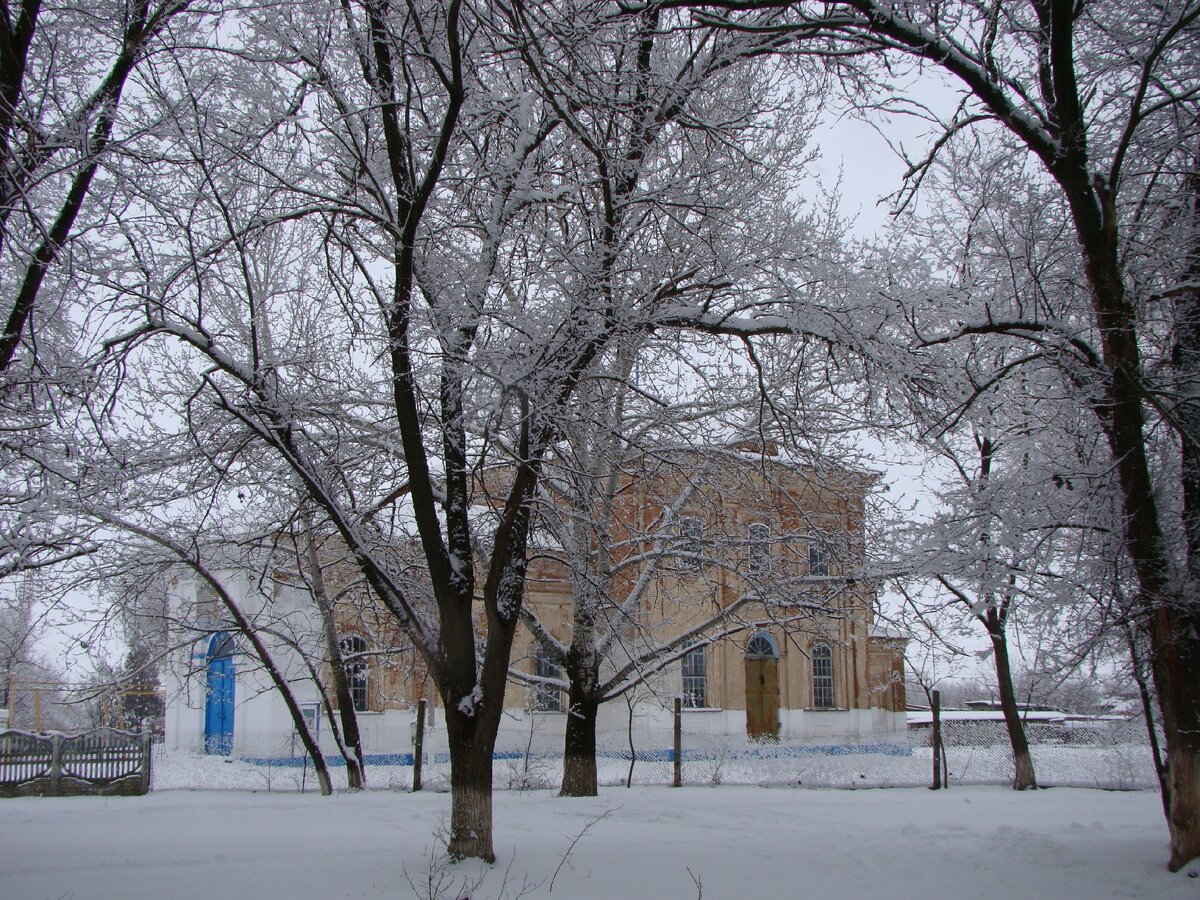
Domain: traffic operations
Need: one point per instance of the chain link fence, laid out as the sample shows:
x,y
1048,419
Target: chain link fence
x,y
1108,755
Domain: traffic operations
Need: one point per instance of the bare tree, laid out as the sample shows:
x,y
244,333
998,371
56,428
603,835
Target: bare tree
x,y
63,73
1024,513
1103,100
437,339
651,529
20,624
993,583
684,192
236,619
356,765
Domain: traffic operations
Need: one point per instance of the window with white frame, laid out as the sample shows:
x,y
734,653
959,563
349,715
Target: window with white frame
x,y
546,697
822,666
695,678
758,558
312,717
818,560
354,649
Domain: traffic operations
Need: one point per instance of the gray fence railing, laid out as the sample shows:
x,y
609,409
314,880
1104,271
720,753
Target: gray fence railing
x,y
104,761
1111,756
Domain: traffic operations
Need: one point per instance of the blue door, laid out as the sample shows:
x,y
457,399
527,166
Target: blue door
x,y
219,699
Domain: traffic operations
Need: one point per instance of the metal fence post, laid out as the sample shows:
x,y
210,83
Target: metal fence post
x,y
678,780
935,709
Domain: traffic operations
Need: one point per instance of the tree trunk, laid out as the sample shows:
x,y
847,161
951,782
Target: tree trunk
x,y
1139,676
1024,778
1178,662
1173,629
579,754
470,787
474,705
251,634
355,774
1176,666
1173,625
1186,362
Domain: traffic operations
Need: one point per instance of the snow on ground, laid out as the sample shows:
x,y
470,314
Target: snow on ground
x,y
648,842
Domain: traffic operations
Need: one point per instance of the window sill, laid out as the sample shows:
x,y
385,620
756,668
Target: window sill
x,y
821,709
701,709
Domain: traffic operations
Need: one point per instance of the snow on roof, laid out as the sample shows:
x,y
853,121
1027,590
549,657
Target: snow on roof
x,y
751,449
925,717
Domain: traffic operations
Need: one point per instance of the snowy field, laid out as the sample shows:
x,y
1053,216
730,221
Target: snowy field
x,y
647,842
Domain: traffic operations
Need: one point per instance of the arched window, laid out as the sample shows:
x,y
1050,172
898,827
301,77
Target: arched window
x,y
822,666
758,559
546,697
695,678
762,646
354,648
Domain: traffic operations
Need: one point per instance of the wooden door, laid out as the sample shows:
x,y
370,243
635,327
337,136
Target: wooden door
x,y
762,697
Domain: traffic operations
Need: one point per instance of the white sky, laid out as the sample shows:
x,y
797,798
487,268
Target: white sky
x,y
870,170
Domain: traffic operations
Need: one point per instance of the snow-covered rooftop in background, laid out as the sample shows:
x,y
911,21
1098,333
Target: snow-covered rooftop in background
x,y
924,717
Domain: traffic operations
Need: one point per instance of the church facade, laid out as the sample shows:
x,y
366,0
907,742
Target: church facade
x,y
734,580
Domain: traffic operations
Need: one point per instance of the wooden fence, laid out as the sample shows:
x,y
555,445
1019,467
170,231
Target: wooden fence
x,y
104,761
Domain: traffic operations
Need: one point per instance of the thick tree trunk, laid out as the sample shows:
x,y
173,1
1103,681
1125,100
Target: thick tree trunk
x,y
471,750
1176,666
579,753
1173,626
1166,601
1186,362
1024,778
1175,631
474,703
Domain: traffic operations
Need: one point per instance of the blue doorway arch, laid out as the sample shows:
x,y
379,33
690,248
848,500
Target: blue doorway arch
x,y
221,681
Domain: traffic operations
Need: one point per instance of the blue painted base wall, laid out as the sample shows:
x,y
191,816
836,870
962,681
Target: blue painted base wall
x,y
667,755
